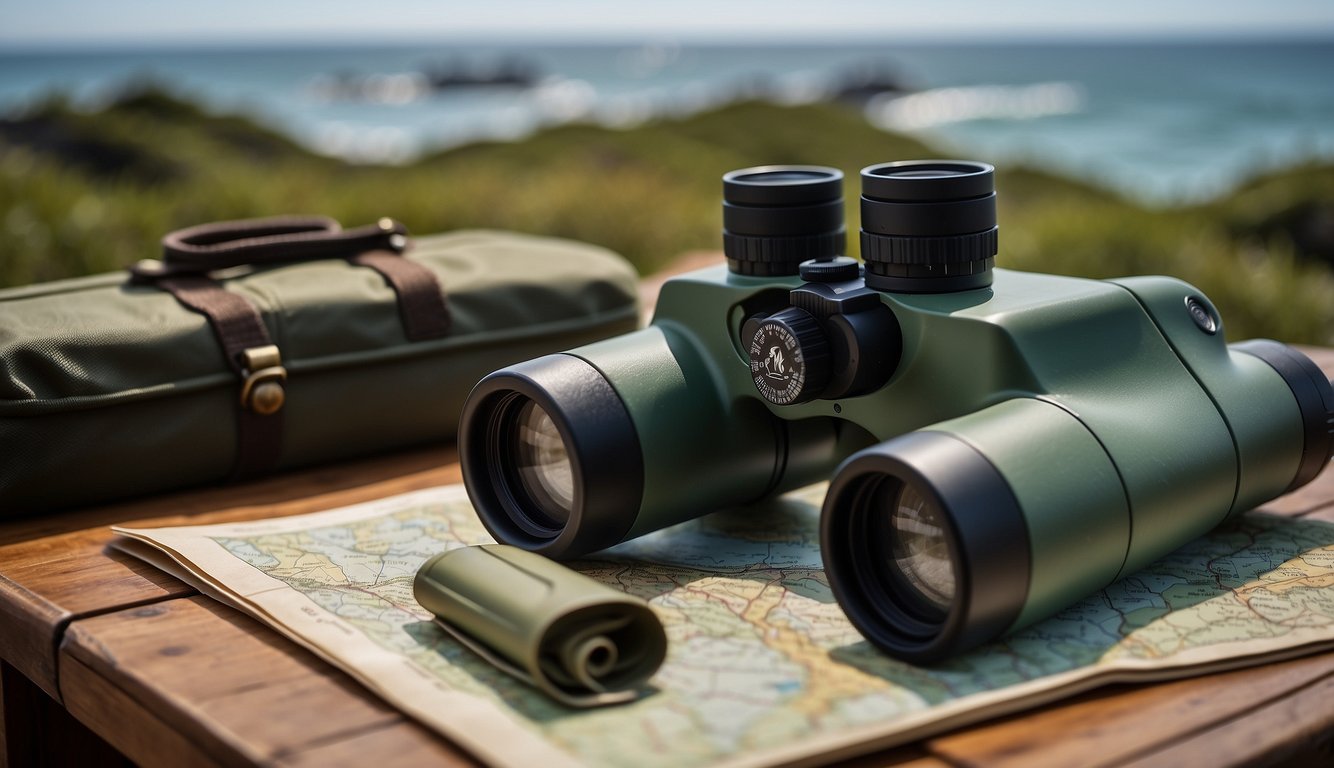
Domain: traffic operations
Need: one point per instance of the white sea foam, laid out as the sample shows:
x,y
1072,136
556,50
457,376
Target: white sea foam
x,y
943,106
561,100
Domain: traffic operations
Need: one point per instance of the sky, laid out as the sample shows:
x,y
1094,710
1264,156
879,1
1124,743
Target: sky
x,y
42,23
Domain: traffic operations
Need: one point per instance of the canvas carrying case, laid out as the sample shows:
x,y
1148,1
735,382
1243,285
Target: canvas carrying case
x,y
274,343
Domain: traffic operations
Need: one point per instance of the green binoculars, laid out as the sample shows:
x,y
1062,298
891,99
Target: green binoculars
x,y
999,444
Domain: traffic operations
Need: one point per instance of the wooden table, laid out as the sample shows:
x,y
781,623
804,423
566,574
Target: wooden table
x,y
103,656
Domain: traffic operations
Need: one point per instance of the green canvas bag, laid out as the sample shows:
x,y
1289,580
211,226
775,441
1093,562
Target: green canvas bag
x,y
276,343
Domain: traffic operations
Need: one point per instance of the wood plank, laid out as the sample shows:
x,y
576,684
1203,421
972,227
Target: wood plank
x,y
278,492
912,756
29,627
1292,730
1124,721
44,582
395,745
239,691
157,667
132,728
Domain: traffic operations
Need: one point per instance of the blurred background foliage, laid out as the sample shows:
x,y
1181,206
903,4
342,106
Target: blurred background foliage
x,y
93,192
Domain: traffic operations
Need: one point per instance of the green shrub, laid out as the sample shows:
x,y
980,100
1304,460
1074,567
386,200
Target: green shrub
x,y
83,193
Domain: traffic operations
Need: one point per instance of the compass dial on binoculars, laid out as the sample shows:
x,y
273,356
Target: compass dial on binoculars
x,y
789,358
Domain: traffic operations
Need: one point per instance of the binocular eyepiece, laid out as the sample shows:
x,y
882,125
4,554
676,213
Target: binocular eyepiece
x,y
999,444
777,216
928,226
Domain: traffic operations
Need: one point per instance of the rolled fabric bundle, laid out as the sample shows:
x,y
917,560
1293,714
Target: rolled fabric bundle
x,y
580,642
269,344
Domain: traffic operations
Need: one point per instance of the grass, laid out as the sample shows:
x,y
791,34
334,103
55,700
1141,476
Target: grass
x,y
83,193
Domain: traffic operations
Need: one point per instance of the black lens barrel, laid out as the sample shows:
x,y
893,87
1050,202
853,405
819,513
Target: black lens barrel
x,y
928,226
1315,402
988,541
600,440
777,216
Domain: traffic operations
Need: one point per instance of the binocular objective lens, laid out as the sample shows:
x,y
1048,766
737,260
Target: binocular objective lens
x,y
543,463
551,457
925,546
920,548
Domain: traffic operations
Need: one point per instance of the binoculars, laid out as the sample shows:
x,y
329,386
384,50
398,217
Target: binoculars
x,y
999,444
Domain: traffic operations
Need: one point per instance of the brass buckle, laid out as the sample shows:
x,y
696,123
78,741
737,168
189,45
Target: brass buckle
x,y
262,391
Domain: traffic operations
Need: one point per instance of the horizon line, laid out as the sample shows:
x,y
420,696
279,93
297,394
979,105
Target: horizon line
x,y
95,45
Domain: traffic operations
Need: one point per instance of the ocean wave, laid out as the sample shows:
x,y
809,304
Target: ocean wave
x,y
942,106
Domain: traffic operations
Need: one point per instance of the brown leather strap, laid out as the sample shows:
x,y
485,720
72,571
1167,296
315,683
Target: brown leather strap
x,y
280,238
240,332
188,255
421,303
235,321
207,247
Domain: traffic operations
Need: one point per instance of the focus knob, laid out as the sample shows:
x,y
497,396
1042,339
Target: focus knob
x,y
839,269
789,357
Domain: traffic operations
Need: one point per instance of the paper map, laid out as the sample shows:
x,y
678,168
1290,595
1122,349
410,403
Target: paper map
x,y
762,668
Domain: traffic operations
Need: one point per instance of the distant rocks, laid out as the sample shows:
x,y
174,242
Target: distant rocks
x,y
507,73
867,80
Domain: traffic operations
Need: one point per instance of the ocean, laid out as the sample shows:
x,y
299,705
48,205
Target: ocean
x,y
1164,123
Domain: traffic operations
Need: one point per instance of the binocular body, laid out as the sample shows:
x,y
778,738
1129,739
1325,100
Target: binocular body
x,y
995,453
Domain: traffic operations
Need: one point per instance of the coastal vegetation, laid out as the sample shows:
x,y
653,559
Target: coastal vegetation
x,y
85,192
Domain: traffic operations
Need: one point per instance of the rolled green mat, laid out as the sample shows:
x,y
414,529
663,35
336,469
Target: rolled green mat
x,y
580,642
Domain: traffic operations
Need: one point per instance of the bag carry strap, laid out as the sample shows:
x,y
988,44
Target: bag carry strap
x,y
421,303
222,244
256,360
190,254
379,246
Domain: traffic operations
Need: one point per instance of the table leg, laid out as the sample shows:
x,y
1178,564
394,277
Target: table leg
x,y
36,731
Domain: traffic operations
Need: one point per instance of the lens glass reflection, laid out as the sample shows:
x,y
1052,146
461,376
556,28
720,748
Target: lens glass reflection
x,y
543,463
779,177
920,547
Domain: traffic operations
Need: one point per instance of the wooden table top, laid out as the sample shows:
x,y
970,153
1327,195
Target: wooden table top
x,y
169,677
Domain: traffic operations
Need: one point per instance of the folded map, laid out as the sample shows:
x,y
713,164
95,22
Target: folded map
x,y
762,668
